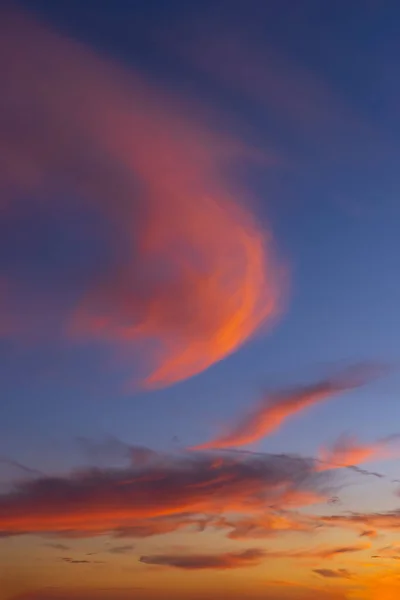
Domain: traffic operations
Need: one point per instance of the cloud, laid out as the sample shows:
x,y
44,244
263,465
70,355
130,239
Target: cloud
x,y
276,408
389,521
371,533
118,500
192,272
121,549
348,451
334,573
76,562
391,552
61,547
253,556
323,552
229,560
269,524
302,104
142,528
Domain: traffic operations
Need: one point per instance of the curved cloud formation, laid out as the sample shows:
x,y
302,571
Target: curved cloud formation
x,y
195,274
273,411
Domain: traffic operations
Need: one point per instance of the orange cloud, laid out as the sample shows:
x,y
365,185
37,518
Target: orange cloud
x,y
122,501
229,560
148,527
369,533
347,451
264,526
273,411
194,274
389,521
392,552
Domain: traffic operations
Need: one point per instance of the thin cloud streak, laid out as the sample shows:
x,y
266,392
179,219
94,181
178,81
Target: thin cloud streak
x,y
194,562
323,552
334,574
307,108
388,521
276,408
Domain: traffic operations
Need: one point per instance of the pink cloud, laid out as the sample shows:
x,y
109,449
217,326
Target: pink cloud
x,y
347,451
196,274
275,409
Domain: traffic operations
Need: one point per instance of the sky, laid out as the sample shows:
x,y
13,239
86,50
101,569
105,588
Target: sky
x,y
199,300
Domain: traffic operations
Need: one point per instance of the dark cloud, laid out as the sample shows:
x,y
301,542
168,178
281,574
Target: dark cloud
x,y
76,562
121,549
61,547
119,500
228,560
334,573
322,552
232,560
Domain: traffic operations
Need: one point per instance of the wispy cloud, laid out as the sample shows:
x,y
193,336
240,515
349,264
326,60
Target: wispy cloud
x,y
303,104
334,573
74,561
391,552
267,525
193,271
276,408
348,451
389,521
61,547
121,549
322,552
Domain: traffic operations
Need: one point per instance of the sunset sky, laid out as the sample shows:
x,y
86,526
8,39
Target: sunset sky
x,y
199,297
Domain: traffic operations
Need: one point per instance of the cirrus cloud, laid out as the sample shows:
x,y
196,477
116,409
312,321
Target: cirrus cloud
x,y
192,273
348,451
276,408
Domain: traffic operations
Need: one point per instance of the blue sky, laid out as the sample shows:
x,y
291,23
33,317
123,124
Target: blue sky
x,y
313,87
335,225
